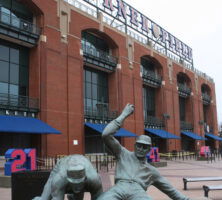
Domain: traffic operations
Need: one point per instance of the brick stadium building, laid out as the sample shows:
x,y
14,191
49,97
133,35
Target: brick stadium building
x,y
75,64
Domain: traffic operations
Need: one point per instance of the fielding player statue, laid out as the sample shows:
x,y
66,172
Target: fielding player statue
x,y
73,175
133,174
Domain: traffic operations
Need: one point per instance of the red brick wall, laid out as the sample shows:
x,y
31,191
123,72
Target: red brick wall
x,y
56,77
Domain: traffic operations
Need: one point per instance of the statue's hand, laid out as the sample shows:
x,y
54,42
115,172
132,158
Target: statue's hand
x,y
128,110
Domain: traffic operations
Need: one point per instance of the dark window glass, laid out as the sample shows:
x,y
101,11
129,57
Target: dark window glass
x,y
14,55
13,89
5,15
21,10
182,104
149,101
87,76
100,93
4,53
96,90
88,104
3,88
148,65
94,43
181,79
15,21
102,81
14,73
24,57
6,3
23,76
94,77
88,90
4,71
95,104
23,91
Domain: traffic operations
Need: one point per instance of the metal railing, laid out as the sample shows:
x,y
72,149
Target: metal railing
x,y
151,77
100,162
18,23
187,155
153,122
99,56
100,114
15,101
206,98
186,126
183,90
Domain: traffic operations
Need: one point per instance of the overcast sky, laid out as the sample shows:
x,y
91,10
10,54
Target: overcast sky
x,y
197,23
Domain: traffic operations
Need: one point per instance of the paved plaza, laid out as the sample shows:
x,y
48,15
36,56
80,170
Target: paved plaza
x,y
174,172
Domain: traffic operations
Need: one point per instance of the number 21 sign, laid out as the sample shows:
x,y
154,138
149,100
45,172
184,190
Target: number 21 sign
x,y
20,160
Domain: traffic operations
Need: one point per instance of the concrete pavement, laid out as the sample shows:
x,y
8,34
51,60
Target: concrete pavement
x,y
174,172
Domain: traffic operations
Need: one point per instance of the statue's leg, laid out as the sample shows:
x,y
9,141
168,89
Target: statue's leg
x,y
58,187
46,194
139,194
115,193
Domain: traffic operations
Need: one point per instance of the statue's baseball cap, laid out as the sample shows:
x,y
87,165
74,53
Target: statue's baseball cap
x,y
144,139
76,174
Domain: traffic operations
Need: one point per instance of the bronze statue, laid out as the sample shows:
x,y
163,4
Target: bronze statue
x,y
73,175
133,174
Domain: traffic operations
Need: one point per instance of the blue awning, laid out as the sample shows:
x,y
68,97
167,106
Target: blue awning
x,y
17,124
213,136
193,135
120,133
162,133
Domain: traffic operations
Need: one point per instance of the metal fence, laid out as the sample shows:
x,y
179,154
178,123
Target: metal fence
x,y
186,126
18,101
153,122
187,155
99,161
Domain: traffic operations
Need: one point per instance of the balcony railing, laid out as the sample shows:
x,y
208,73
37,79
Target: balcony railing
x,y
19,23
186,126
153,122
183,90
99,58
18,28
206,99
99,116
23,103
151,78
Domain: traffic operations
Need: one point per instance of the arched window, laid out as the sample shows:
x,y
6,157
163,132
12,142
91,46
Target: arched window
x,y
206,94
207,113
185,104
150,72
16,15
183,84
96,51
16,9
152,80
98,64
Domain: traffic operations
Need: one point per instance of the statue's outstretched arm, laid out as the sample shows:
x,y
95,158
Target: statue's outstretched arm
x,y
108,133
